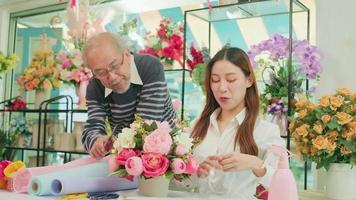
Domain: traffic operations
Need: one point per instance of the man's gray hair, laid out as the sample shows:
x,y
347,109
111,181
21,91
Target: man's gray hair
x,y
121,42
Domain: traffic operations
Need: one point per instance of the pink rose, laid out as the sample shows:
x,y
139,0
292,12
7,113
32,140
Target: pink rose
x,y
191,166
113,164
124,155
181,150
134,166
178,166
154,164
3,165
158,142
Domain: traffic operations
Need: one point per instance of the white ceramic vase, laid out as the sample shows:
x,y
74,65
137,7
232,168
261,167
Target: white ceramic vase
x,y
153,187
341,182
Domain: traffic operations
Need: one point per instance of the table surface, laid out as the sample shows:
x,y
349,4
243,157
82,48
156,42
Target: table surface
x,y
133,195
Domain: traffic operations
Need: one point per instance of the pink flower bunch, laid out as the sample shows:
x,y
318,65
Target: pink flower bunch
x,y
151,149
167,43
71,67
197,58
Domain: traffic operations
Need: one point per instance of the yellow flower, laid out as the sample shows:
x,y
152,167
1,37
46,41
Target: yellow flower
x,y
345,150
302,113
336,102
324,101
12,168
326,118
343,118
305,150
344,91
318,128
349,134
320,142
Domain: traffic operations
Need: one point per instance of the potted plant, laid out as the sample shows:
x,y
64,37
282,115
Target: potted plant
x,y
325,133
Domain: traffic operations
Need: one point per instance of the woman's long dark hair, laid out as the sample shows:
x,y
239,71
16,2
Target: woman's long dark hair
x,y
244,136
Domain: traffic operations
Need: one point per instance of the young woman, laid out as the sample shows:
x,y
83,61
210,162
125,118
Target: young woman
x,y
233,141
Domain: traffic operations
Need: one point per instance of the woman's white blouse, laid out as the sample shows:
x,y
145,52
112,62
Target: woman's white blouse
x,y
240,183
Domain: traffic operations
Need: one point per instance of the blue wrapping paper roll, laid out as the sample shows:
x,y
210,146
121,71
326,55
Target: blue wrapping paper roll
x,y
41,185
64,186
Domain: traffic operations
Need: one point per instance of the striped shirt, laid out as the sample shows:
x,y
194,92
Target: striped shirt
x,y
150,100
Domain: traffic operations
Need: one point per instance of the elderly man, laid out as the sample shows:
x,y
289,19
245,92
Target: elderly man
x,y
123,85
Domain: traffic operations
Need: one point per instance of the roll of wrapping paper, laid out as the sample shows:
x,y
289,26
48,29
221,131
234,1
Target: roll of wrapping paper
x,y
41,185
64,186
22,178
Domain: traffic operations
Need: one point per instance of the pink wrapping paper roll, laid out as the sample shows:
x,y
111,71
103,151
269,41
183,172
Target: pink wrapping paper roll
x,y
23,176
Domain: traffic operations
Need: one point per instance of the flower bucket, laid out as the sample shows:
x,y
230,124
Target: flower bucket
x,y
153,187
341,181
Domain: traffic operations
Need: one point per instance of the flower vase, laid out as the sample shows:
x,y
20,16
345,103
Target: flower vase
x,y
40,96
81,91
153,187
282,122
341,181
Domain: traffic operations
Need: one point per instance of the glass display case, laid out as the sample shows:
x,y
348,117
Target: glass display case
x,y
245,24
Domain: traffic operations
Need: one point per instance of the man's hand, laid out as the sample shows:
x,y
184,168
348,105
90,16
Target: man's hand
x,y
98,149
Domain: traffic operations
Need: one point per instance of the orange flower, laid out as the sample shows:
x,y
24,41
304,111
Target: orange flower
x,y
320,142
345,150
336,102
313,151
332,135
344,91
326,118
330,146
301,103
302,113
324,101
318,128
343,118
311,107
302,130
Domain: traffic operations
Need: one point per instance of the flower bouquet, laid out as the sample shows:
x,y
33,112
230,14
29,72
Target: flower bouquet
x,y
16,103
167,43
151,149
270,60
197,64
326,133
42,73
7,171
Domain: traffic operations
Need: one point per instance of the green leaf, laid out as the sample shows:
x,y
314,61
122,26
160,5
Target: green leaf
x,y
333,124
120,173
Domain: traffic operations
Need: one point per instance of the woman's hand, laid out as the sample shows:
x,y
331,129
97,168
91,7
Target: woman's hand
x,y
211,163
238,161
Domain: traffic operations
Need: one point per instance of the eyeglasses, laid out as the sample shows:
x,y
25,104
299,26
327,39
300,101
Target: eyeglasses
x,y
111,68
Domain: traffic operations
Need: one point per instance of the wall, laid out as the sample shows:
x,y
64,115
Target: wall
x,y
336,37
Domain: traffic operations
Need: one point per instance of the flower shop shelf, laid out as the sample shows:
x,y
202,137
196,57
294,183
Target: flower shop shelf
x,y
41,129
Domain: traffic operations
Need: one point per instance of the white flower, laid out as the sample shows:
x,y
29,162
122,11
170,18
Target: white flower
x,y
126,139
183,139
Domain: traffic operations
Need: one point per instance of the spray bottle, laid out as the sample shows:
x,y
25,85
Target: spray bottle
x,y
283,186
